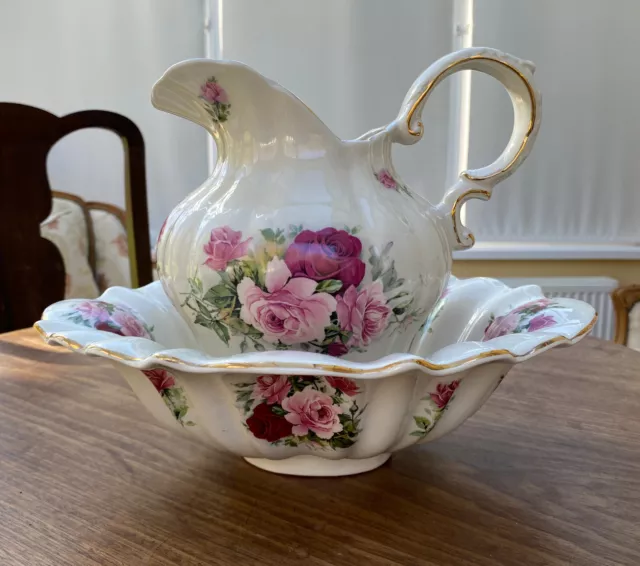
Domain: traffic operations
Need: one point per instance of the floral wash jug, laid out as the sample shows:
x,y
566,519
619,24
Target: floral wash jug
x,y
302,241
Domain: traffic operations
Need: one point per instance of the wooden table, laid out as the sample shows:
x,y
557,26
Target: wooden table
x,y
547,473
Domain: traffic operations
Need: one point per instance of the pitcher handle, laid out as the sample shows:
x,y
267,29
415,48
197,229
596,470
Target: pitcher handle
x,y
516,76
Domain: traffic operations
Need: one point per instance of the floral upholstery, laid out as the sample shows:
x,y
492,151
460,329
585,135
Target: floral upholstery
x,y
626,303
112,249
68,229
92,240
633,332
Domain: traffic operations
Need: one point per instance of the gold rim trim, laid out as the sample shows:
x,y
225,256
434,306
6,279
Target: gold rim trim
x,y
478,193
434,82
73,345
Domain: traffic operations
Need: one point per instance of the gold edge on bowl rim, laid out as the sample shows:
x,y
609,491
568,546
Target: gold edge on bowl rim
x,y
330,368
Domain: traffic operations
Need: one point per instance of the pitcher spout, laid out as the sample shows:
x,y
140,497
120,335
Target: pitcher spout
x,y
234,103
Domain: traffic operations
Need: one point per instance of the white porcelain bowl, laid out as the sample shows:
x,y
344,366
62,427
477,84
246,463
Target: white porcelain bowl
x,y
310,414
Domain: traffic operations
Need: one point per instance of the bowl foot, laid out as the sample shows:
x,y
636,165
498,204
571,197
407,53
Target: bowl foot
x,y
316,466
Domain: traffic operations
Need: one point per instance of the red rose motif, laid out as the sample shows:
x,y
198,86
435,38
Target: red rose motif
x,y
266,425
326,254
347,386
108,327
337,349
443,393
160,378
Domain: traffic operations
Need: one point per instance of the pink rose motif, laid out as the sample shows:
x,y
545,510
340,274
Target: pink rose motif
x,y
121,243
386,179
223,246
164,225
443,394
213,92
160,378
364,313
53,224
311,410
290,312
347,386
541,321
538,303
95,311
129,324
326,254
502,326
271,388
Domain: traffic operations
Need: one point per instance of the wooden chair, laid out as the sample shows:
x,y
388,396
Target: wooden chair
x,y
32,273
626,302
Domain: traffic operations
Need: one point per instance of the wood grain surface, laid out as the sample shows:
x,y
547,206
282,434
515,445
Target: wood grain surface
x,y
547,473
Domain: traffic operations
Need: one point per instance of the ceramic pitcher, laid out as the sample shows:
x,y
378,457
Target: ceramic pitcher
x,y
299,240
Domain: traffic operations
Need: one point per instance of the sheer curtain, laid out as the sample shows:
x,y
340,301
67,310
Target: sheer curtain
x,y
351,62
580,183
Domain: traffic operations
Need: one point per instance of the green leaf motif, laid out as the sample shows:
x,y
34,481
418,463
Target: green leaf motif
x,y
218,292
376,264
224,277
203,310
268,234
196,285
341,442
242,396
175,399
278,410
294,230
422,422
221,330
329,286
202,320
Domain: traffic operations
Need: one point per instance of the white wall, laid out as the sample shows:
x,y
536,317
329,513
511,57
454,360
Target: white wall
x,y
70,55
351,62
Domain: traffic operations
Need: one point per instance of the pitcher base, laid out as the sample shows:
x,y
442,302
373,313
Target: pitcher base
x,y
319,467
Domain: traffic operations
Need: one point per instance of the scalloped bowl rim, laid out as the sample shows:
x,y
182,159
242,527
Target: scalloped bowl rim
x,y
99,343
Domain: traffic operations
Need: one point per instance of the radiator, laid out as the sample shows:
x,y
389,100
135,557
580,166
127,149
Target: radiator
x,y
593,290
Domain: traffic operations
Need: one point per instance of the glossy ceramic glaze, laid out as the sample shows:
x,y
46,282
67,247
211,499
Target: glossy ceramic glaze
x,y
301,241
300,413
